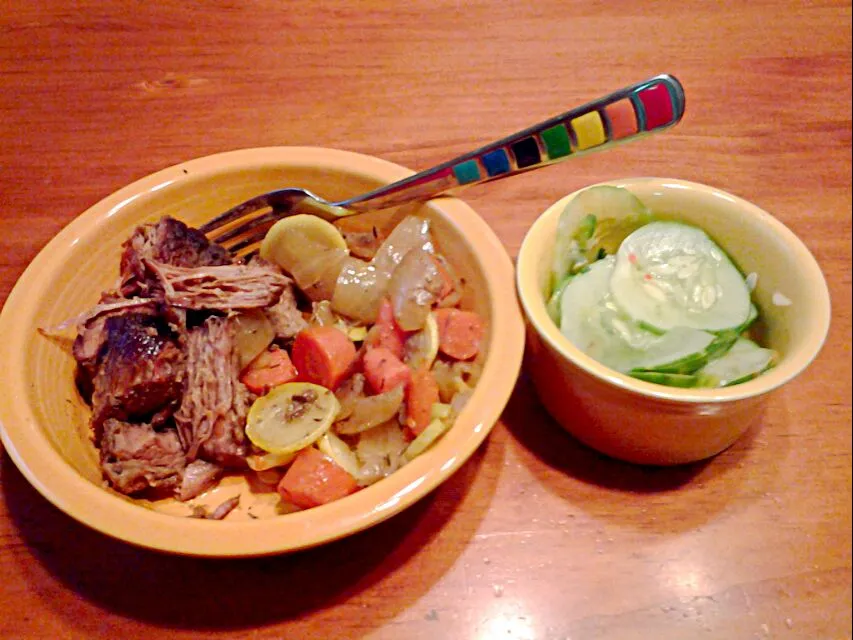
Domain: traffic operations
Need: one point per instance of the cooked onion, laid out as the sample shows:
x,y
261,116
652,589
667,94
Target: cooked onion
x,y
459,401
380,452
455,378
370,411
366,232
413,288
359,290
361,285
443,375
317,274
466,374
267,461
322,314
411,233
350,390
253,334
454,297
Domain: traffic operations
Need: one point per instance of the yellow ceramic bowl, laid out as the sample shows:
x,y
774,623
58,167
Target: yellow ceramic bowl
x,y
653,424
44,421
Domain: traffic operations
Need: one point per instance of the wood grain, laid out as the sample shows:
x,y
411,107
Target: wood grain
x,y
536,537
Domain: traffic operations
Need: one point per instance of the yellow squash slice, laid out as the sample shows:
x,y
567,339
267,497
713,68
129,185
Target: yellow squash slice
x,y
291,417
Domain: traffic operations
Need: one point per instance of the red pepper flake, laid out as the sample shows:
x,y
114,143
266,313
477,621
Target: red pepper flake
x,y
632,258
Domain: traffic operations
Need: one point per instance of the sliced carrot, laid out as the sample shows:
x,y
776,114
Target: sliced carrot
x,y
447,283
459,333
386,333
421,394
383,370
323,355
313,479
270,369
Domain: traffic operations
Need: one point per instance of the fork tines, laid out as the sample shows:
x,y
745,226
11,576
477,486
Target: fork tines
x,y
242,226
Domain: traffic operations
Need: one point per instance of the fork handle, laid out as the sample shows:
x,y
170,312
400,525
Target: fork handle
x,y
630,113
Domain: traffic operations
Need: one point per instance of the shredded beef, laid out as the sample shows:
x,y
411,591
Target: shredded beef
x,y
221,287
285,316
135,457
219,513
160,366
168,241
225,508
212,416
362,244
198,477
141,370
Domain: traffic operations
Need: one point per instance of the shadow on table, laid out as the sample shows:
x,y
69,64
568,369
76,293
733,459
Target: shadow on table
x,y
625,493
209,594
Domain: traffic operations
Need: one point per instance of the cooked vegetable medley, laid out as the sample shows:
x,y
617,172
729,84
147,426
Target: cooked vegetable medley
x,y
320,369
658,300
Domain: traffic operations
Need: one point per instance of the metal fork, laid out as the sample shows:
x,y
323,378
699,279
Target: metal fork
x,y
627,114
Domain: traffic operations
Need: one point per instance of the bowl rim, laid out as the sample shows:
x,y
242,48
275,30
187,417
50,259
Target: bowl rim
x,y
120,518
533,303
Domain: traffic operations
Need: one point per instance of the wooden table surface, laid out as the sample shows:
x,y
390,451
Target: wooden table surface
x,y
536,536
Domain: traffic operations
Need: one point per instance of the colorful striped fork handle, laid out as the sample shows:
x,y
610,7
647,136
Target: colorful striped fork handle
x,y
630,113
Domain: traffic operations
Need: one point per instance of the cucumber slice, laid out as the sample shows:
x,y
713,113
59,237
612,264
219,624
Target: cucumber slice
x,y
682,380
554,305
567,253
722,343
599,328
744,361
752,317
596,325
579,233
682,308
681,350
670,274
581,295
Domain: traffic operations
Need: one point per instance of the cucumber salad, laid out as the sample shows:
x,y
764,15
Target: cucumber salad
x,y
655,299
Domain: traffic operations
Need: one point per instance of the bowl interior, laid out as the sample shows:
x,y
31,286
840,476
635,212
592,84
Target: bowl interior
x,y
791,292
45,422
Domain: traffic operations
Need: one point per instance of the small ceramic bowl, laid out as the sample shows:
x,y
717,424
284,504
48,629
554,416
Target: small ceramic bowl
x,y
648,423
44,422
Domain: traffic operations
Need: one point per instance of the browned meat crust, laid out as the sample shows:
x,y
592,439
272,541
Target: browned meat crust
x,y
141,371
